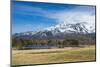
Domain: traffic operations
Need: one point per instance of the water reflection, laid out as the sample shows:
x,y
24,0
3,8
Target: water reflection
x,y
39,46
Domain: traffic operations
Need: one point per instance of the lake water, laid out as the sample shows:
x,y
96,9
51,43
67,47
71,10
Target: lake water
x,y
39,46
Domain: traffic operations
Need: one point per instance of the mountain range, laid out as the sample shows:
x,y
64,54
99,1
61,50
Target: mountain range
x,y
59,31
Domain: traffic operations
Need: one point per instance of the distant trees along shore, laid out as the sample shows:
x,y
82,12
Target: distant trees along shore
x,y
19,43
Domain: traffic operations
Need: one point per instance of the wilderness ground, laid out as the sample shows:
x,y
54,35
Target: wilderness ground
x,y
55,55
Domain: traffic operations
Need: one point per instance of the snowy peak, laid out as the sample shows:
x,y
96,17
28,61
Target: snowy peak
x,y
82,27
61,30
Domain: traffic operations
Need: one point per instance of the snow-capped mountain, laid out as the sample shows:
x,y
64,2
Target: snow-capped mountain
x,y
60,30
29,33
82,27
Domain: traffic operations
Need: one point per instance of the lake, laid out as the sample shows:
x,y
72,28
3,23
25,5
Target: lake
x,y
39,46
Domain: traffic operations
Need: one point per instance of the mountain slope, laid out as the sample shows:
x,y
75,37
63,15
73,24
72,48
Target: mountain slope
x,y
60,30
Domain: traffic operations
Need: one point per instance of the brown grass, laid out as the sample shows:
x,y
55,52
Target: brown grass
x,y
58,55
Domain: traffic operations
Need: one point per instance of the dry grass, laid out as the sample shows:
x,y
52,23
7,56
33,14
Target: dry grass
x,y
59,55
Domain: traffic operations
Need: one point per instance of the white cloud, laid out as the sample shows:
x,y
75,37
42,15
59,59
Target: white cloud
x,y
76,15
73,17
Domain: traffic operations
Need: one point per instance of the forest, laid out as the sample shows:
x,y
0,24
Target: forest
x,y
74,41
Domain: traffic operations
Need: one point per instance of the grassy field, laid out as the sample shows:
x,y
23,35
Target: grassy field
x,y
57,55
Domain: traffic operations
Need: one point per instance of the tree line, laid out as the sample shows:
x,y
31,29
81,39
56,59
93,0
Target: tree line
x,y
19,43
68,41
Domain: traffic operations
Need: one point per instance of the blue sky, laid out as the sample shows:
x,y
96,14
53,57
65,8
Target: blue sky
x,y
34,16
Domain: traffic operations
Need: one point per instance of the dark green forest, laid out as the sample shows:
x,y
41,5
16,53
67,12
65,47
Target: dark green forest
x,y
69,41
